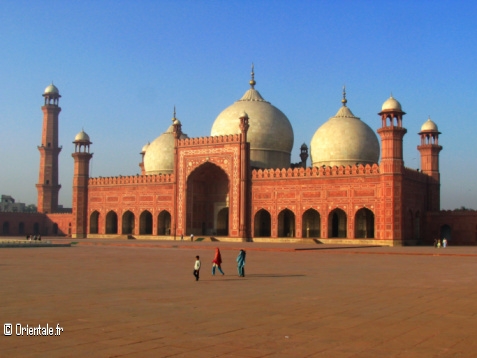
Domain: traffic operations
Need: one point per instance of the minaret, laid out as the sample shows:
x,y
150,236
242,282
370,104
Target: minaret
x,y
177,132
244,200
48,186
303,154
392,134
143,153
389,219
81,158
429,150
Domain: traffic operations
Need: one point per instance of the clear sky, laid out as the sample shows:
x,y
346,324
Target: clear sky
x,y
121,66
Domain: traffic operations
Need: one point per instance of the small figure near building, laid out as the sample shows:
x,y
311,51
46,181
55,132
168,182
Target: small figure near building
x,y
217,262
197,268
241,263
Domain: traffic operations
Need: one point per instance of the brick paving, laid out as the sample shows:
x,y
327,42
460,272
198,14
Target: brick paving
x,y
139,299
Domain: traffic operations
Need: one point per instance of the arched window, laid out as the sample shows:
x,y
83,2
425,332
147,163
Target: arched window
x,y
337,224
94,222
145,223
128,223
164,223
311,224
286,223
364,224
111,223
262,224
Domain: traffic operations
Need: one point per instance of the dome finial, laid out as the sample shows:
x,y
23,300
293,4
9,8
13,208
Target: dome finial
x,y
344,101
252,81
174,114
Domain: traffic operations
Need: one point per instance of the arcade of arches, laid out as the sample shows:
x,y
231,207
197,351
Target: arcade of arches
x,y
127,223
311,224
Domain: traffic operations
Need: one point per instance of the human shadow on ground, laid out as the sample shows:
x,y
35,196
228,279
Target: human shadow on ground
x,y
336,248
231,278
271,275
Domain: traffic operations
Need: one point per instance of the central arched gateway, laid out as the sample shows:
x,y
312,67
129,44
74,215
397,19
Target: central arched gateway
x,y
207,196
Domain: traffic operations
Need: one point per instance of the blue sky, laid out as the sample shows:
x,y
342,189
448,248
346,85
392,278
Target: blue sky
x,y
121,66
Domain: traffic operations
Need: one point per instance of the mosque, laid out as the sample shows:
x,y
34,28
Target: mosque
x,y
239,184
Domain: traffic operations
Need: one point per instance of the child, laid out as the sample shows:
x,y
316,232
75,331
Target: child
x,y
197,268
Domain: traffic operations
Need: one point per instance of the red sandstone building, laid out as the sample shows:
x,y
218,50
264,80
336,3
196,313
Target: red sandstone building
x,y
240,184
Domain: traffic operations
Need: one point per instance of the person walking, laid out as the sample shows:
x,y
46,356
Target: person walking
x,y
197,268
444,242
241,263
191,237
217,262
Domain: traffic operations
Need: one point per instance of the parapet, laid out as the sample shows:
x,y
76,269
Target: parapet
x,y
359,169
231,138
133,179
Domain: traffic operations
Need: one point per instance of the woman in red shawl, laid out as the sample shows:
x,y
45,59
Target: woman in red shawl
x,y
217,261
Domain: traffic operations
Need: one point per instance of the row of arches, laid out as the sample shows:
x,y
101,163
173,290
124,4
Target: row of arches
x,y
20,228
311,224
126,226
286,223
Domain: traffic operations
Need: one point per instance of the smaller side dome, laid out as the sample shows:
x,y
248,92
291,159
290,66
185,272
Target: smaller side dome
x,y
82,137
391,104
429,126
143,150
51,89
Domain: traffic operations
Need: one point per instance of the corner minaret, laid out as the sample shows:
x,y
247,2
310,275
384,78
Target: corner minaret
x,y
392,134
81,158
48,186
429,150
389,224
143,153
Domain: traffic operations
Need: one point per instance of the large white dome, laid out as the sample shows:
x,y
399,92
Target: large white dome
x,y
344,140
159,156
270,133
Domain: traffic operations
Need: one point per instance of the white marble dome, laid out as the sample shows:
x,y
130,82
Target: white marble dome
x,y
270,133
159,156
143,150
344,140
51,89
429,126
391,104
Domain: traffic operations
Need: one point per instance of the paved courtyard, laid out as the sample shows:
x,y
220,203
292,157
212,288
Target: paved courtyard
x,y
139,299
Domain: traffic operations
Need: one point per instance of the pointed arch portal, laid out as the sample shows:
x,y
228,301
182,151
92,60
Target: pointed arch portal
x,y
337,223
94,222
207,196
145,223
128,223
111,223
311,223
364,224
262,224
286,223
164,223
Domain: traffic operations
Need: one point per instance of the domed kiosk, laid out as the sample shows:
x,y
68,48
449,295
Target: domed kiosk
x,y
344,140
270,133
159,154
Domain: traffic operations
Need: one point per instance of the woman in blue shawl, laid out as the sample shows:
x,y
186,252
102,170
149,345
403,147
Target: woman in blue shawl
x,y
241,263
